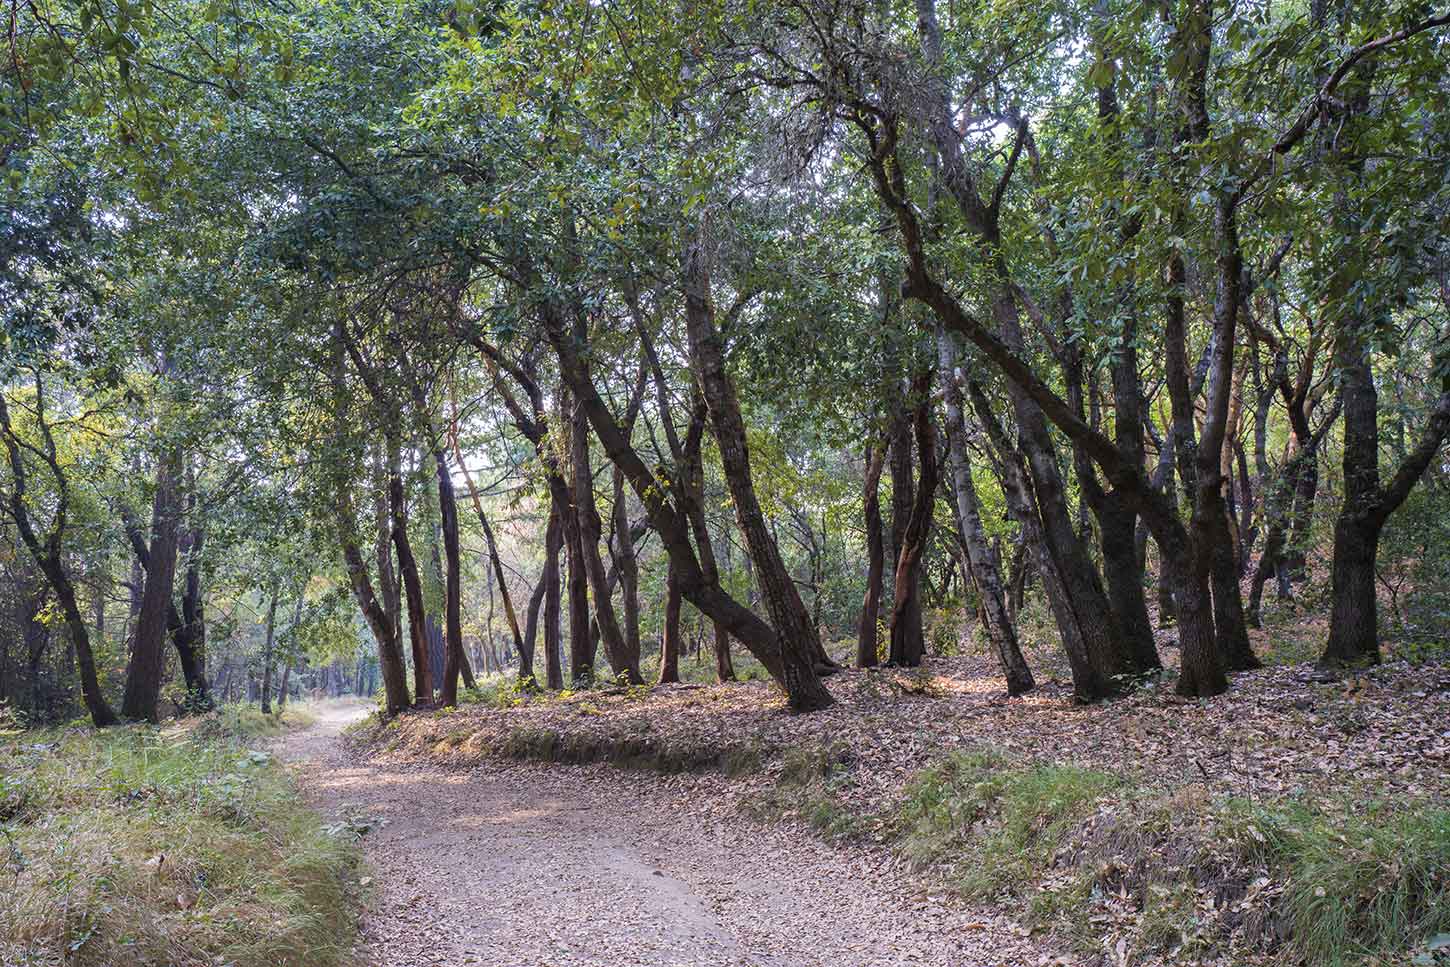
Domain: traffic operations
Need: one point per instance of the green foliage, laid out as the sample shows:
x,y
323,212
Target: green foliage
x,y
138,846
500,691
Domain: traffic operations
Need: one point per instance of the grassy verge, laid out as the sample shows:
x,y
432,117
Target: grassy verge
x,y
136,846
1143,875
1182,875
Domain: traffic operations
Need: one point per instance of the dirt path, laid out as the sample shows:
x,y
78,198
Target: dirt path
x,y
527,865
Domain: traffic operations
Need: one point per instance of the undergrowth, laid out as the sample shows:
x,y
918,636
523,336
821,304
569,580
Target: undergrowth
x,y
138,847
1181,874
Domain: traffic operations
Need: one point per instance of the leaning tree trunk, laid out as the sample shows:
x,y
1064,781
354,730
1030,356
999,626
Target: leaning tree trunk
x,y
143,677
1090,683
797,635
380,623
700,527
48,554
100,710
525,648
866,630
792,667
1087,605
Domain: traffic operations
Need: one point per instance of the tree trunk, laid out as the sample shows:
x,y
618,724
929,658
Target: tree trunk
x,y
628,565
1354,618
383,624
455,662
282,689
143,677
700,527
866,629
525,649
412,585
591,532
187,627
529,642
1213,552
903,499
390,592
581,642
985,568
190,637
1123,568
1353,621
1272,560
553,602
670,642
1086,603
792,669
797,640
908,644
267,653
1089,681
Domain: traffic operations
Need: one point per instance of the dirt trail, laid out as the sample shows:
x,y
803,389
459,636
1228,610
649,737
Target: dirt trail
x,y
511,866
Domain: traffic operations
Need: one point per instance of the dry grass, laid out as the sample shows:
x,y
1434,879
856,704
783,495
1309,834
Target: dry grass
x,y
138,846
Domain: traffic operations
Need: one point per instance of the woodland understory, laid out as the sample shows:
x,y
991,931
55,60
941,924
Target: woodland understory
x,y
1007,436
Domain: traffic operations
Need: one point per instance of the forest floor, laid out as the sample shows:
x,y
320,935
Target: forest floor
x,y
517,864
1291,820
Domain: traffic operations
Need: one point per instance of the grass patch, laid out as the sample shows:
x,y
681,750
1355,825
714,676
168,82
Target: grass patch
x,y
134,846
1368,882
1006,823
1353,883
243,722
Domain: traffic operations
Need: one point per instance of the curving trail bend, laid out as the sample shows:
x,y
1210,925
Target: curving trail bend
x,y
532,866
